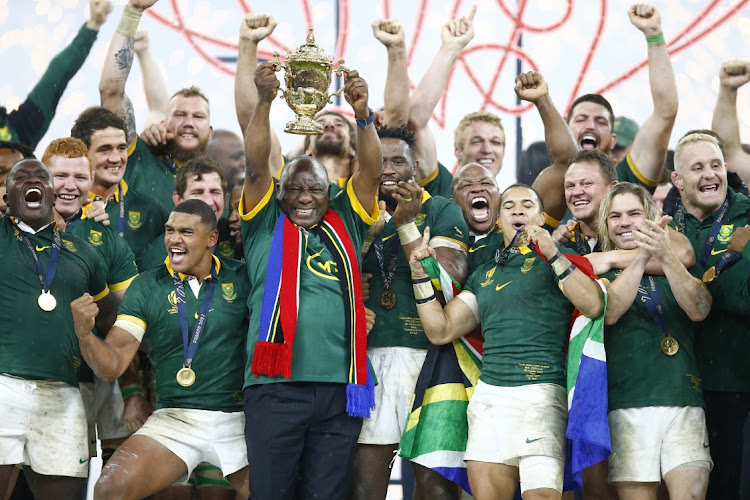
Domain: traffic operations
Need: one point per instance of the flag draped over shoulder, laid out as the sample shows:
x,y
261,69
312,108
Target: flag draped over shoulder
x,y
588,427
437,430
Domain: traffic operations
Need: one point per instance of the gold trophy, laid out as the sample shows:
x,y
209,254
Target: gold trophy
x,y
307,75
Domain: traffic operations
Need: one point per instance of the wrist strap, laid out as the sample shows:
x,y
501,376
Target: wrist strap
x,y
555,257
129,22
655,39
364,123
408,232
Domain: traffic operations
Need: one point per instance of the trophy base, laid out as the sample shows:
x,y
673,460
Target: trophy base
x,y
303,125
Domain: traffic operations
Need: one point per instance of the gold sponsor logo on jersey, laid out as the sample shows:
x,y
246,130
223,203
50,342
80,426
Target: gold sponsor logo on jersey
x,y
95,238
42,248
5,134
500,287
69,245
134,220
323,268
474,249
488,277
527,265
225,249
725,233
458,231
419,219
172,298
227,292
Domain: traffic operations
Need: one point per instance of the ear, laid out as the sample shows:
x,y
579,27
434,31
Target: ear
x,y
210,132
612,141
415,169
278,190
459,157
677,180
213,238
176,198
542,219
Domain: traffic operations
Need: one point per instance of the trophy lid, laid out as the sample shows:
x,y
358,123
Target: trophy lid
x,y
309,52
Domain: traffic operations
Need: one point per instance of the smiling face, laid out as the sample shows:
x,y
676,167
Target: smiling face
x,y
398,165
207,188
476,192
519,207
304,197
189,243
584,189
625,215
189,120
109,156
31,194
591,126
483,143
335,139
701,177
72,178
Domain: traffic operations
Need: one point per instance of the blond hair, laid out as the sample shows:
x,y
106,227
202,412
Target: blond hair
x,y
652,211
478,116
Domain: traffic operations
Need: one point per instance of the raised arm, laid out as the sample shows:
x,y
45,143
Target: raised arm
x,y
441,324
732,76
257,137
32,119
455,35
649,150
390,33
118,62
561,145
154,85
366,180
253,29
690,292
108,358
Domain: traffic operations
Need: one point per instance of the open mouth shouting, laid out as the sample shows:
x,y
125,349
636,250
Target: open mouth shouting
x,y
588,141
33,197
480,209
177,254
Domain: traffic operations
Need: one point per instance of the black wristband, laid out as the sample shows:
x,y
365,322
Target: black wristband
x,y
555,257
567,272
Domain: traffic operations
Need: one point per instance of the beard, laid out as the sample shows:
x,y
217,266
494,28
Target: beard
x,y
181,154
328,147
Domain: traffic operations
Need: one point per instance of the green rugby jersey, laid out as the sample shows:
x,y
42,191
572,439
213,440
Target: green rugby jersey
x,y
438,183
320,352
219,362
144,217
525,320
722,337
638,372
627,171
37,344
149,174
401,326
119,260
483,250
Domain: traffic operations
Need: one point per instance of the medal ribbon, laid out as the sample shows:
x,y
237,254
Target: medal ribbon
x,y
502,257
652,300
170,163
44,278
190,346
715,227
120,212
727,260
581,245
389,271
74,219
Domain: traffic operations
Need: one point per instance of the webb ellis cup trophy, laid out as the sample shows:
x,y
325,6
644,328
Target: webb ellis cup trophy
x,y
307,75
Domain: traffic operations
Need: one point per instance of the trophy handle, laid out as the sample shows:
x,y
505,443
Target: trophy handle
x,y
276,65
339,71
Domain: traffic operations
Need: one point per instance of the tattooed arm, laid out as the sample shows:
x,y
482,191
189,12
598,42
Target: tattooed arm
x,y
117,65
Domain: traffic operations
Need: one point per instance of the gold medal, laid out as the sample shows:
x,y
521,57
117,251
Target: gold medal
x,y
47,301
709,275
669,345
186,376
388,299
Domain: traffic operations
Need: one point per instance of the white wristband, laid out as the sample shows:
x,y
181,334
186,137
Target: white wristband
x,y
408,233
